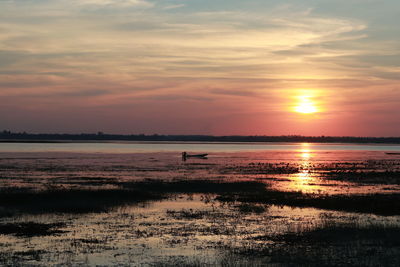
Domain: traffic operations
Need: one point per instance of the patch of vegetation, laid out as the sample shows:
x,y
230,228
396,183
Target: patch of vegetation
x,y
380,204
388,236
366,177
196,186
251,208
14,201
247,193
188,214
70,201
333,245
30,229
261,168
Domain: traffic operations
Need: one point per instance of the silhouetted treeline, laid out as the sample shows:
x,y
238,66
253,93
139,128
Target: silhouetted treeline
x,y
29,137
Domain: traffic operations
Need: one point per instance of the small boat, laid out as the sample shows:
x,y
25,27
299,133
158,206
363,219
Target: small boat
x,y
186,155
392,153
196,155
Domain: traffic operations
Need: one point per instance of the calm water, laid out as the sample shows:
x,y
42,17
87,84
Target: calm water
x,y
136,147
197,229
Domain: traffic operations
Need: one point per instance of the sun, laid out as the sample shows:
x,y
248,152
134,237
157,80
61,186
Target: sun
x,y
305,106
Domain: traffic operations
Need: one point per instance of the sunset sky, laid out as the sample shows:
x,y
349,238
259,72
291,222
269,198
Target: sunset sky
x,y
221,67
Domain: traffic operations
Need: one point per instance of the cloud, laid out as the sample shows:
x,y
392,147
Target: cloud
x,y
252,55
230,92
121,3
174,6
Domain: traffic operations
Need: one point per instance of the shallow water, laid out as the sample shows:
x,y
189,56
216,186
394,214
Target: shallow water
x,y
148,147
192,229
186,227
307,170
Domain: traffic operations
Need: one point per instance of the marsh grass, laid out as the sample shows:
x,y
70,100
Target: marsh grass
x,y
330,244
366,177
15,201
233,221
226,260
261,168
250,195
190,214
196,186
343,233
69,201
31,229
251,208
380,204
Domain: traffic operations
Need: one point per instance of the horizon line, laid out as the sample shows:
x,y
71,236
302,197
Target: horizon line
x,y
101,133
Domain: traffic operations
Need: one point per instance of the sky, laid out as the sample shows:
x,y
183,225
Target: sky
x,y
219,67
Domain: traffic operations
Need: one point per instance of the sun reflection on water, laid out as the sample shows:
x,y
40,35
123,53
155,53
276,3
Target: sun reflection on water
x,y
305,179
305,154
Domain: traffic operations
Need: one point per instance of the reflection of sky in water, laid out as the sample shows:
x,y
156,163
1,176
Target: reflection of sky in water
x,y
213,147
143,234
310,177
88,170
149,232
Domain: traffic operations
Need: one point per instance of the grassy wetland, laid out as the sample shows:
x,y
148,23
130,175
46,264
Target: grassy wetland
x,y
265,208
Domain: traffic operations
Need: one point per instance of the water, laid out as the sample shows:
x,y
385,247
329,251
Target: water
x,y
148,147
197,228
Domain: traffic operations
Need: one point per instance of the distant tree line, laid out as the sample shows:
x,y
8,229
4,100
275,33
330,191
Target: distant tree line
x,y
100,136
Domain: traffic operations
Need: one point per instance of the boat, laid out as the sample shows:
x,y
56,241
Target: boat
x,y
186,155
196,155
